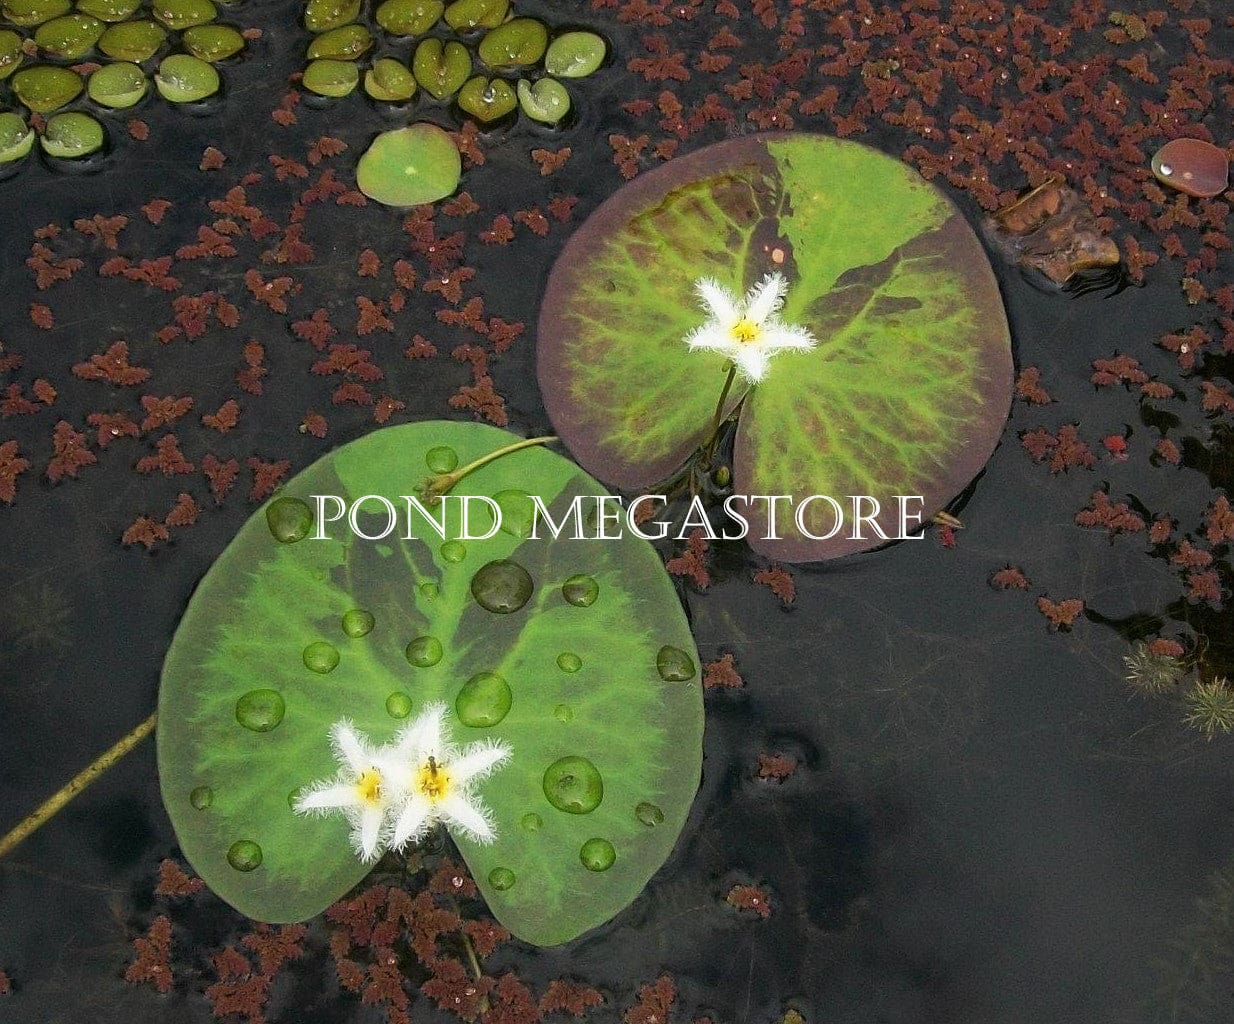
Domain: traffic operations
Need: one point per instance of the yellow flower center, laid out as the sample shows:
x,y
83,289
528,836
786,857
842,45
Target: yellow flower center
x,y
368,786
746,330
432,780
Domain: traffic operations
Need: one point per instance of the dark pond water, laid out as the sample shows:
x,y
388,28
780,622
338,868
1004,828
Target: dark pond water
x,y
987,825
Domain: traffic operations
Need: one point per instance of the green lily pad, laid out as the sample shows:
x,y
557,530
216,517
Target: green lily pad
x,y
72,135
487,99
332,78
408,17
16,137
575,54
546,100
906,392
45,87
69,37
390,81
117,85
244,723
133,40
185,79
441,68
410,166
517,43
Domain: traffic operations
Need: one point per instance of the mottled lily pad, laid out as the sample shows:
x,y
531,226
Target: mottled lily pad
x,y
410,166
905,394
244,719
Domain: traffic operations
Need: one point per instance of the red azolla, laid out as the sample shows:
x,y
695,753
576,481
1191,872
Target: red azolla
x,y
1188,555
111,425
239,989
275,946
155,210
41,316
1166,648
692,562
167,459
105,229
162,411
212,159
272,293
184,512
266,476
174,882
420,348
512,1003
371,316
6,986
722,674
1167,451
779,581
776,767
1161,530
626,153
482,399
561,207
1219,521
1116,445
314,423
1009,578
138,129
12,465
225,418
1066,450
485,935
368,263
1216,397
351,392
221,476
210,244
44,391
153,962
749,897
386,407
1114,517
1028,386
15,403
450,286
47,269
316,330
550,161
1204,586
248,379
461,205
71,453
453,989
1060,614
501,231
326,146
655,1002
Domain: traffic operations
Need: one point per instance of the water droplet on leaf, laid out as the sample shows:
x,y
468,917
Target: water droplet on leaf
x,y
581,591
674,665
244,855
531,822
568,662
454,551
289,519
649,814
574,785
483,701
321,657
442,459
260,710
563,713
398,704
358,622
502,586
501,879
424,651
201,797
597,855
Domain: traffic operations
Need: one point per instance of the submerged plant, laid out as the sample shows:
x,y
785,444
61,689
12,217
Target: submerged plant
x,y
1150,672
1210,708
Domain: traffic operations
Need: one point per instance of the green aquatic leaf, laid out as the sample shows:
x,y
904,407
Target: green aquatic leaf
x,y
599,670
906,392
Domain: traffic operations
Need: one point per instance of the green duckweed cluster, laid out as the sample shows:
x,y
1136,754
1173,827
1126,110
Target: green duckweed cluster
x,y
477,54
101,55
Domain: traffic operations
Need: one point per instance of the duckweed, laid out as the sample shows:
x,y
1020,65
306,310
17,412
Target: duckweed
x,y
16,137
11,54
575,54
546,100
110,11
69,37
441,69
389,81
331,77
213,42
517,43
408,17
178,15
118,85
324,15
487,99
136,41
183,78
410,166
350,42
467,15
44,88
72,135
28,13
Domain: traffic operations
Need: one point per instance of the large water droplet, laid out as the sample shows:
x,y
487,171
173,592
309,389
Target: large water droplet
x,y
358,622
454,551
573,784
441,459
484,700
563,713
398,704
289,519
201,797
531,822
518,512
321,657
424,651
581,591
501,879
597,854
429,590
568,662
649,814
502,586
244,855
260,710
674,665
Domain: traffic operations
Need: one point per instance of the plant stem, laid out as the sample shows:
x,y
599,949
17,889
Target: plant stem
x,y
709,446
441,484
52,806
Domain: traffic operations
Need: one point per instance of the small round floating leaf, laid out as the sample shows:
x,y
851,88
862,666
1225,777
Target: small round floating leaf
x,y
135,41
1193,166
260,710
28,13
289,519
410,166
72,136
321,657
244,855
575,54
351,42
16,137
262,601
182,78
502,586
389,81
597,855
441,459
501,879
674,665
117,85
201,797
11,54
110,11
357,622
581,590
332,78
517,43
178,15
441,68
324,15
574,785
487,99
398,704
483,701
408,17
44,88
466,15
69,37
906,392
424,651
546,101
213,43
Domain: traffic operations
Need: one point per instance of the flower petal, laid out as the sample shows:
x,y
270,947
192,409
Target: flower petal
x,y
717,300
423,736
328,796
712,337
478,760
349,746
780,336
413,820
366,835
470,816
751,361
766,298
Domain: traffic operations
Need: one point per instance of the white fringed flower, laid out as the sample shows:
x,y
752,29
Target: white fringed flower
x,y
748,331
436,780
